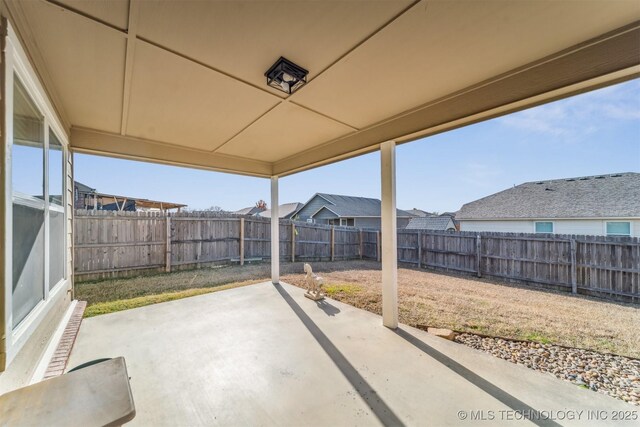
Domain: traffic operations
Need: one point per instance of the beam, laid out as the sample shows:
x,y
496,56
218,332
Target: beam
x,y
132,30
389,235
608,59
275,232
125,147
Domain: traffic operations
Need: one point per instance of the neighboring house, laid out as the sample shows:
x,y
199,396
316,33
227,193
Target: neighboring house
x,y
251,210
591,205
285,211
443,223
452,215
349,211
254,210
419,212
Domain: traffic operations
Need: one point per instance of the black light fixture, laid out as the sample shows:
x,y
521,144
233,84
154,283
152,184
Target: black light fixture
x,y
286,76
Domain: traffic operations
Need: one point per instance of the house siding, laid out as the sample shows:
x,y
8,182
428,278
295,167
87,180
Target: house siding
x,y
312,207
594,227
374,222
323,215
367,223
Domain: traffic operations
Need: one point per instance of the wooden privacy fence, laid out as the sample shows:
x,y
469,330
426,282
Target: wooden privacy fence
x,y
599,265
113,244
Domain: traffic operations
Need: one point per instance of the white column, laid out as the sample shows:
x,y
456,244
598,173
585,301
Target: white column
x,y
389,236
275,232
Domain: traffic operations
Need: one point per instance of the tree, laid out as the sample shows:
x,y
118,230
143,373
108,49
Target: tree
x,y
213,209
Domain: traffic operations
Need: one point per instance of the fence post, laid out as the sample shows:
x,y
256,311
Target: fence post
x,y
333,243
419,249
574,267
378,245
199,248
167,261
361,244
478,255
241,241
293,242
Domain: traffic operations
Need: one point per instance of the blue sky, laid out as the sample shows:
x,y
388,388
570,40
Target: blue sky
x,y
593,133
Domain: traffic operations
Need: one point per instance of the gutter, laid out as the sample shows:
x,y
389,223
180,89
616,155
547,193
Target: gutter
x,y
591,218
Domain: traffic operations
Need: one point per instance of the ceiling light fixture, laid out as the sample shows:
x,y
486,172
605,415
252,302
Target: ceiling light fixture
x,y
286,76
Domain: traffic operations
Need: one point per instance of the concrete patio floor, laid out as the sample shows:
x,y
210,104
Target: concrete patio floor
x,y
266,355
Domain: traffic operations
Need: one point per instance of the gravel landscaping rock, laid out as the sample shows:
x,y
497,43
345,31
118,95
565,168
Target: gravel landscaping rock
x,y
616,376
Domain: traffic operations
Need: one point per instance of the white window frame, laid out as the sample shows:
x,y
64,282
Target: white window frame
x,y
553,227
346,222
54,207
620,235
17,64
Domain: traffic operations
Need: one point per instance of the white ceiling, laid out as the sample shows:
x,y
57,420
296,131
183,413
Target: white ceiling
x,y
191,73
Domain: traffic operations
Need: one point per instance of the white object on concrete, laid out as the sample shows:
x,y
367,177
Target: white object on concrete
x,y
275,232
314,284
389,236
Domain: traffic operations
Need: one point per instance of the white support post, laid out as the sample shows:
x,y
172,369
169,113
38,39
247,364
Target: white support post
x,y
275,232
389,235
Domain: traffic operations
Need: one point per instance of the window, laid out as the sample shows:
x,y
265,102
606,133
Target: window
x,y
27,167
38,229
544,227
341,222
347,222
618,228
35,205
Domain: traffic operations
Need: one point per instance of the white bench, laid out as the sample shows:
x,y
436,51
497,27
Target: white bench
x,y
98,395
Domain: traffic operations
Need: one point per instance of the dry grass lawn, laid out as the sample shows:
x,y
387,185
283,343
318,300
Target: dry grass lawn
x,y
425,299
479,306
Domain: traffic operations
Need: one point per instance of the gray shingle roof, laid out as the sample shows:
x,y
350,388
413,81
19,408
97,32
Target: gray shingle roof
x,y
430,223
251,210
284,211
418,212
599,196
352,206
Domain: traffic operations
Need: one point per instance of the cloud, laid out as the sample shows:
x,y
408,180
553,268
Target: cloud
x,y
581,115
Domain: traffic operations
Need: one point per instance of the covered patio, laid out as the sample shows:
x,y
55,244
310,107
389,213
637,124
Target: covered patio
x,y
266,355
192,84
